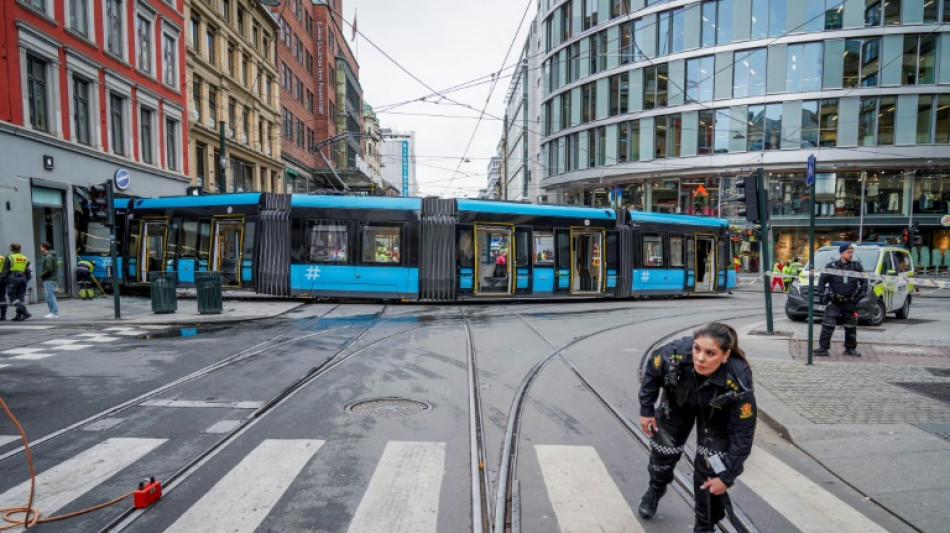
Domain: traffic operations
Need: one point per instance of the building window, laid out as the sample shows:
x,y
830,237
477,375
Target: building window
x,y
210,45
145,134
777,18
942,118
588,102
39,4
81,112
708,27
920,55
867,121
114,32
886,12
724,22
669,34
195,34
143,43
722,126
760,20
749,73
196,96
567,21
834,14
246,70
201,160
803,67
213,105
226,10
589,15
171,144
79,16
887,107
655,81
117,123
37,92
240,21
925,119
707,129
700,75
764,127
828,123
619,94
170,59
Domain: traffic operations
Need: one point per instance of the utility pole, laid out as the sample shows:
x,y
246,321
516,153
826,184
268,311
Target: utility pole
x,y
810,181
763,199
110,198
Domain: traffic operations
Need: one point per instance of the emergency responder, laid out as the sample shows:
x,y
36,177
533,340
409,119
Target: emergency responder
x,y
16,270
84,279
706,380
791,271
3,290
840,294
777,277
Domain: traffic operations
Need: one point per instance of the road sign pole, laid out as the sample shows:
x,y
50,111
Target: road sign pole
x,y
810,181
760,190
110,198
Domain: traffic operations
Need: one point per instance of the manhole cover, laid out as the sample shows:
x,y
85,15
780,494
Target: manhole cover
x,y
388,407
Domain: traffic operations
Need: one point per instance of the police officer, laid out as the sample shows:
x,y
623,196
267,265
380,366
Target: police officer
x,y
3,290
705,380
840,293
16,270
84,279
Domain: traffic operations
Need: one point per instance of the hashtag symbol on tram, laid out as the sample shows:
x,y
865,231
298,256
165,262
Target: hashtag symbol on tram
x,y
313,272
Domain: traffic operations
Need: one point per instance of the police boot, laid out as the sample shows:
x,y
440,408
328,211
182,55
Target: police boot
x,y
852,352
19,317
650,501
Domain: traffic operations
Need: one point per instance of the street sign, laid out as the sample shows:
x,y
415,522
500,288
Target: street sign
x,y
810,171
122,179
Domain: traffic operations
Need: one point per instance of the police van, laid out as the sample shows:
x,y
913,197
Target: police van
x,y
891,295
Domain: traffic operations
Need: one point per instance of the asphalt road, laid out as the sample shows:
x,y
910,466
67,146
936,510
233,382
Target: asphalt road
x,y
253,427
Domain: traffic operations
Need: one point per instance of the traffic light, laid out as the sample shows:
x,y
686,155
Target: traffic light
x,y
748,196
916,239
98,204
906,238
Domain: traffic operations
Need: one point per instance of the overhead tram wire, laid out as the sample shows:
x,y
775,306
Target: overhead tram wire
x,y
492,89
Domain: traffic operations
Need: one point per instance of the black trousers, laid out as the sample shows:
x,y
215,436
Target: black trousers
x,y
16,292
666,447
3,299
836,314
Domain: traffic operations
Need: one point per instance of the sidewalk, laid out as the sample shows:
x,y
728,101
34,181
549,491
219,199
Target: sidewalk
x,y
138,310
880,423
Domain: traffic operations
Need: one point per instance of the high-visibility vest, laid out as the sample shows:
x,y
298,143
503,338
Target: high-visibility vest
x,y
18,262
87,265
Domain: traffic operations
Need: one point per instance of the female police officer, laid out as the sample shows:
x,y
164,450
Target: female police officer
x,y
707,380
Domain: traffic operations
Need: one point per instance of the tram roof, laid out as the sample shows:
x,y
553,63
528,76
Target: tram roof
x,y
355,202
199,201
663,218
488,206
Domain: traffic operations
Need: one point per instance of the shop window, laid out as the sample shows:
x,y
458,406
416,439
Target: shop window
x,y
381,244
652,251
327,242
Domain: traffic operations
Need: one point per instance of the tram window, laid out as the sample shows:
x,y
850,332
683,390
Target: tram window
x,y
381,244
189,239
563,250
172,248
544,248
328,242
466,249
204,240
676,251
652,251
249,229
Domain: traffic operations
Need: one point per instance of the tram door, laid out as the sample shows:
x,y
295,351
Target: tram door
x,y
588,269
153,234
493,267
228,236
705,266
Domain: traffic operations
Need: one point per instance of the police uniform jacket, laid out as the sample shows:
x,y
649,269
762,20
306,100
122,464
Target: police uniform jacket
x,y
723,404
850,287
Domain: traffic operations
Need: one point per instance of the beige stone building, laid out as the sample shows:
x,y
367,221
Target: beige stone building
x,y
232,84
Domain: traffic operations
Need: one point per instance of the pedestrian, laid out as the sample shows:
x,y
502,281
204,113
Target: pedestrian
x,y
84,279
706,381
48,276
777,277
17,273
840,294
3,290
791,271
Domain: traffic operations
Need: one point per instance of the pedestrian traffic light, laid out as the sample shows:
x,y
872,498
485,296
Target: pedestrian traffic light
x,y
916,239
748,197
98,204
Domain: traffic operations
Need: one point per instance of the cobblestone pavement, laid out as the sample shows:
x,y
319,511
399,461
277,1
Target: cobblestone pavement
x,y
835,392
871,352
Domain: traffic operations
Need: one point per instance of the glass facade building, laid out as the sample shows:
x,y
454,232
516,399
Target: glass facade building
x,y
660,105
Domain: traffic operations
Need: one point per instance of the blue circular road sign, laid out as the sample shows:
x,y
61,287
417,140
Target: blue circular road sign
x,y
122,179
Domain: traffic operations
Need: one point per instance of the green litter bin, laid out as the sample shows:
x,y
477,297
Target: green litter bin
x,y
162,286
208,287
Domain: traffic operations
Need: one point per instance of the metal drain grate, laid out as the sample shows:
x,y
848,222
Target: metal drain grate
x,y
388,407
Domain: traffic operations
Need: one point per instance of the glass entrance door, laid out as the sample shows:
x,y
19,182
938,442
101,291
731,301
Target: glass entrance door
x,y
228,237
493,266
588,249
49,225
705,263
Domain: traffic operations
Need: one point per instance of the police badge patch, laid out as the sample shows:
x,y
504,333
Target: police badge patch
x,y
745,411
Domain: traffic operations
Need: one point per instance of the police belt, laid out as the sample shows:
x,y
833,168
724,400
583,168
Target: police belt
x,y
911,281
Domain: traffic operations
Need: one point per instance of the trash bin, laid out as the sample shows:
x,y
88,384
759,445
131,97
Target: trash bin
x,y
162,286
208,287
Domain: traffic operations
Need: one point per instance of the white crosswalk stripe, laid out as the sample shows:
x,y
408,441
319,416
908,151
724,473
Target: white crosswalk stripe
x,y
240,501
63,483
803,502
97,337
8,438
1,366
403,495
119,330
583,495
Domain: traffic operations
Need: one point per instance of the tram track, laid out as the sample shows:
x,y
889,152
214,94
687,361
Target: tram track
x,y
505,512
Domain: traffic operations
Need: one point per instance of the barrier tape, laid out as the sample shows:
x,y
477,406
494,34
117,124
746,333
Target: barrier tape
x,y
900,278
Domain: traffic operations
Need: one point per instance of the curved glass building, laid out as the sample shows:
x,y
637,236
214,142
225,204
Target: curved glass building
x,y
660,105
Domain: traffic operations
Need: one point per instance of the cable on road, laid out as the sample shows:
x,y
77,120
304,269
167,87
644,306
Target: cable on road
x,y
31,515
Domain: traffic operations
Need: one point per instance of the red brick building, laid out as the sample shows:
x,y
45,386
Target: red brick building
x,y
321,99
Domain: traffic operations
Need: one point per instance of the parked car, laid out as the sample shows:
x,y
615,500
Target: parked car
x,y
883,297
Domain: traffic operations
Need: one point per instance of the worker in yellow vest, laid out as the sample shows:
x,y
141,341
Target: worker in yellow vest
x,y
17,272
3,291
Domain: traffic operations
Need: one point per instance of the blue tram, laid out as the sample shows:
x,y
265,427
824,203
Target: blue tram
x,y
422,249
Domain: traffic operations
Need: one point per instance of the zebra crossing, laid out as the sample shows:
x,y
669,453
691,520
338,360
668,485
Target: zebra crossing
x,y
78,342
403,493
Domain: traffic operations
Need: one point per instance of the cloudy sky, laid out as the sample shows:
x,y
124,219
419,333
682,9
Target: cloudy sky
x,y
445,44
